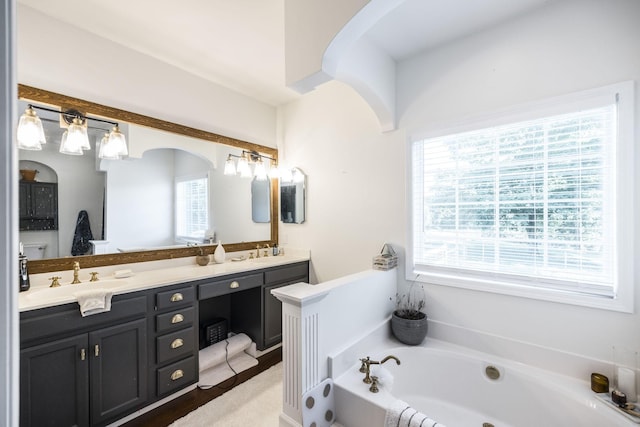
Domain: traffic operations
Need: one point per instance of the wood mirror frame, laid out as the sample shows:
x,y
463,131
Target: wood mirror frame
x,y
64,102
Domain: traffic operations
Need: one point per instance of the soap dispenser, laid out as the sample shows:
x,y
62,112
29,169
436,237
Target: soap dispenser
x,y
22,269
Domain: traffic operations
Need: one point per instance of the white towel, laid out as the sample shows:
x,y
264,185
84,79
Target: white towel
x,y
400,414
94,301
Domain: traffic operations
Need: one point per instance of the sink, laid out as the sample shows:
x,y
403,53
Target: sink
x,y
66,291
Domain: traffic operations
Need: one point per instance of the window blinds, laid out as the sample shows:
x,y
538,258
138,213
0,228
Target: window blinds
x,y
531,203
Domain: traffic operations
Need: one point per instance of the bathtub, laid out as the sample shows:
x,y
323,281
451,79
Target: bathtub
x,y
451,385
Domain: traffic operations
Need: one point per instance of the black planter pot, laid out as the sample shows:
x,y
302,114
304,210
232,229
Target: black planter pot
x,y
409,331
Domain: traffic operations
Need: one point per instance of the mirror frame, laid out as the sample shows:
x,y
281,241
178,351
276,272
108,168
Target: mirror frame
x,y
64,102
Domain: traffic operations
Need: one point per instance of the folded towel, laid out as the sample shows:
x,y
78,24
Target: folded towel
x,y
93,301
400,414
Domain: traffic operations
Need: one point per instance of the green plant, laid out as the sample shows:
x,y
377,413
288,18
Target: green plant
x,y
410,305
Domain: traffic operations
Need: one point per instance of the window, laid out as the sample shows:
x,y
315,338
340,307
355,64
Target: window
x,y
530,207
192,208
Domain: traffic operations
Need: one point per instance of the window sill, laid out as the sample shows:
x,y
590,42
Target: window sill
x,y
617,303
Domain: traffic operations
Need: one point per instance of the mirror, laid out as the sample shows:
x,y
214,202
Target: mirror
x,y
121,196
293,197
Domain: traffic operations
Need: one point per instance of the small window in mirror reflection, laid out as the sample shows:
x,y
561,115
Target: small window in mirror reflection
x,y
192,208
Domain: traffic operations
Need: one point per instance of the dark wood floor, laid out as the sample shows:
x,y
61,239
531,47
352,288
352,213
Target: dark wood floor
x,y
181,406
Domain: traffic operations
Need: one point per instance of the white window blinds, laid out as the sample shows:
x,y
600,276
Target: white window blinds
x,y
531,203
192,208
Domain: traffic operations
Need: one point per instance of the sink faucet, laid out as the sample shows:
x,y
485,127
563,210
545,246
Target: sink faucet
x,y
76,272
257,251
365,368
266,250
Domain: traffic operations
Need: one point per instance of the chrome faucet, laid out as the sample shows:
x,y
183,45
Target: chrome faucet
x,y
365,368
76,273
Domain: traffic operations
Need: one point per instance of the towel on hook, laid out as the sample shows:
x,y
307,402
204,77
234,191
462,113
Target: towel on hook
x,y
93,301
400,414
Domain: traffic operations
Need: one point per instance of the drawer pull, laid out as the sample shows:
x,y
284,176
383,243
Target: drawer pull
x,y
177,318
96,350
234,285
177,343
177,374
83,354
176,297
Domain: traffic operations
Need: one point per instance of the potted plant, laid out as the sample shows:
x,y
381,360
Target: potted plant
x,y
408,321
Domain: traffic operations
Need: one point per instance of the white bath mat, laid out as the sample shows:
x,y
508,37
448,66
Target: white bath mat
x,y
318,407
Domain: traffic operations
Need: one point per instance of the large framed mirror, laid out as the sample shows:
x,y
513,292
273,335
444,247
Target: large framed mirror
x,y
124,198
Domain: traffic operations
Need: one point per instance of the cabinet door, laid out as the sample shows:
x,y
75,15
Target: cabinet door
x,y
44,200
272,317
118,370
54,384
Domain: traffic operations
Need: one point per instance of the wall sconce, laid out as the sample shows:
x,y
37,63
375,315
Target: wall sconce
x,y
75,141
248,158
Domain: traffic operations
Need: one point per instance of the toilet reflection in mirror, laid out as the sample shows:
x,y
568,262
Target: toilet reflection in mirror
x,y
293,197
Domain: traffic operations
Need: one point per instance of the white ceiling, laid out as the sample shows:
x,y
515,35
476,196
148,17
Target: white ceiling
x,y
239,44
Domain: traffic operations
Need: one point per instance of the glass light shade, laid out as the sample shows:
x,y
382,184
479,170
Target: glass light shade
x,y
30,133
68,148
243,167
119,141
78,134
260,171
274,172
107,150
229,166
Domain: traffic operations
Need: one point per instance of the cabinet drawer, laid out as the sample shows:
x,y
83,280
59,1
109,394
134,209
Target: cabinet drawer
x,y
176,344
289,273
175,298
229,285
174,319
66,319
173,377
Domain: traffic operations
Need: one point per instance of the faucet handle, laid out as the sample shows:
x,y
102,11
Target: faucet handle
x,y
54,281
374,384
94,276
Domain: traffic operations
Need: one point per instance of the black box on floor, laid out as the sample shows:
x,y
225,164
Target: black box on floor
x,y
216,331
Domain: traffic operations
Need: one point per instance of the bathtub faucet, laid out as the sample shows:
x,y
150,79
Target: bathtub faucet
x,y
365,367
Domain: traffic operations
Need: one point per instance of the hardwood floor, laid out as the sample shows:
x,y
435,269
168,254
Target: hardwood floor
x,y
181,406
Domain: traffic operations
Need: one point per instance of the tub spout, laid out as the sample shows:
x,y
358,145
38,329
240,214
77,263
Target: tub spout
x,y
390,357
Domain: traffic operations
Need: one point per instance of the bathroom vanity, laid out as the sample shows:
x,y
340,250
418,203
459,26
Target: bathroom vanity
x,y
94,370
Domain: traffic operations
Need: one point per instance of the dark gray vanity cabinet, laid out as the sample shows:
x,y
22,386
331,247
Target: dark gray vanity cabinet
x,y
77,371
38,206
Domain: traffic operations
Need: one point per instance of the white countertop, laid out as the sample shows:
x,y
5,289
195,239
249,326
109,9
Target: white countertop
x,y
145,275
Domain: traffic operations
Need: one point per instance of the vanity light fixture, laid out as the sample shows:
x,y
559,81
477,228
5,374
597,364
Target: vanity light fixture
x,y
75,139
248,158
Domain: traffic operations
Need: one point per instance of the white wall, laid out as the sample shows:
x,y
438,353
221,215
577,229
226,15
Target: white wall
x,y
357,175
114,75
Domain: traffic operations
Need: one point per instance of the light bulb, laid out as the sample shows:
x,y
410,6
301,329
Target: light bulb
x,y
30,133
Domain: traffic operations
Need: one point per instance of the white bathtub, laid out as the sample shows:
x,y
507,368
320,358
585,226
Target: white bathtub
x,y
450,385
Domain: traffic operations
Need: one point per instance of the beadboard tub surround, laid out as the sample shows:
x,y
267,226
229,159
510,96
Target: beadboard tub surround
x,y
146,275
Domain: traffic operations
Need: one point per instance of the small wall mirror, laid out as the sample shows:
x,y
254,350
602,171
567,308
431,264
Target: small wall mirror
x,y
293,197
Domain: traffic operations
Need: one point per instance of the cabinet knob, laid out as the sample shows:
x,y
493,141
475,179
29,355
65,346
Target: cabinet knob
x,y
177,374
177,318
176,297
177,343
234,285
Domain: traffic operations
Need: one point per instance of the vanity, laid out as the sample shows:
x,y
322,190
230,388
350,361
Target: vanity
x,y
94,370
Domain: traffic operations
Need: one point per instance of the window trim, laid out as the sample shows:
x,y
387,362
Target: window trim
x,y
623,300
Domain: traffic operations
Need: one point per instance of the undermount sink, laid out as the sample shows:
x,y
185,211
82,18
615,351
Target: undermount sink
x,y
67,290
